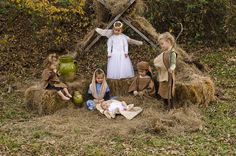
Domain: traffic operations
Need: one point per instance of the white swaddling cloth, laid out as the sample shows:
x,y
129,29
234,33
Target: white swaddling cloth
x,y
116,104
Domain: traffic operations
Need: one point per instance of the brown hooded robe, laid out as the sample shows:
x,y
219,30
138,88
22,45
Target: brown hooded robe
x,y
144,84
49,76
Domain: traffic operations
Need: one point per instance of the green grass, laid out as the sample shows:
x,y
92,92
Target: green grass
x,y
221,68
13,108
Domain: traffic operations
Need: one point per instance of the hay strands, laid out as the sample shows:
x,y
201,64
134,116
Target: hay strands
x,y
137,31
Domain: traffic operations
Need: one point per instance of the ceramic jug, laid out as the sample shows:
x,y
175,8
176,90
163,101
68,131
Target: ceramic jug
x,y
78,99
67,67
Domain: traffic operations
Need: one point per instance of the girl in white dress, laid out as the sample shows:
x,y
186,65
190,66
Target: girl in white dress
x,y
119,64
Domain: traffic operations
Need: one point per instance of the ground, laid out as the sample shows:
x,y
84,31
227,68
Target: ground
x,y
73,131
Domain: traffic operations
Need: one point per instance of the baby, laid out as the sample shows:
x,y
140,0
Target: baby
x,y
113,107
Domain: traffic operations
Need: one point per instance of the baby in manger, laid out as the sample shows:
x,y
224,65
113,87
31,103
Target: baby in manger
x,y
112,107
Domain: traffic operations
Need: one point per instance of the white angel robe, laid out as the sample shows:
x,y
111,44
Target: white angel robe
x,y
118,65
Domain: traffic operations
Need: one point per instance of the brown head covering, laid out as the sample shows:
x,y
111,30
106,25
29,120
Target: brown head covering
x,y
143,65
93,85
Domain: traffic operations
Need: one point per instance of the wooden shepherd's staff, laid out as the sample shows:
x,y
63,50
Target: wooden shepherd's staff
x,y
170,78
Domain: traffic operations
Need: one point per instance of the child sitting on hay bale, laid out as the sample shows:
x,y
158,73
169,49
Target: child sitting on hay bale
x,y
143,84
98,90
51,79
165,64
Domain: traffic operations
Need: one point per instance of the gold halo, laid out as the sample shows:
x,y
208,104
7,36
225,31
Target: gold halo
x,y
118,27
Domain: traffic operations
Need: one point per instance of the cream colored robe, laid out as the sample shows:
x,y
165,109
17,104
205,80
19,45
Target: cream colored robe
x,y
162,64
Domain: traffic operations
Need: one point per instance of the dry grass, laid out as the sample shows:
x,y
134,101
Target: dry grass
x,y
177,121
76,129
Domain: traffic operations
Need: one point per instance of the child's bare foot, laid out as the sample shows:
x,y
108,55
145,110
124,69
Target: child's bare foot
x,y
69,95
65,98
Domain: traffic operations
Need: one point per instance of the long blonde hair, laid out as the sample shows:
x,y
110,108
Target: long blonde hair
x,y
169,37
50,60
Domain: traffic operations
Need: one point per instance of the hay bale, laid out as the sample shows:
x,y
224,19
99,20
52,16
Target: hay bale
x,y
119,87
138,8
200,90
191,84
114,7
144,26
43,101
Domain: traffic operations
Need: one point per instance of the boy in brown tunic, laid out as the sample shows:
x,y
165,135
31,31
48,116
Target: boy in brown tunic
x,y
50,78
165,64
142,84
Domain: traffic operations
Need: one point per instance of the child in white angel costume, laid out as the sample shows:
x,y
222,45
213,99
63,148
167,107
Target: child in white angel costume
x,y
119,65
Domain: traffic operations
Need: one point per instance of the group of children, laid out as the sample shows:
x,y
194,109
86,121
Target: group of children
x,y
119,66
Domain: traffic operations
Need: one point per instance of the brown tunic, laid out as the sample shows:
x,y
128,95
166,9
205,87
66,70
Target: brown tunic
x,y
143,84
49,76
163,85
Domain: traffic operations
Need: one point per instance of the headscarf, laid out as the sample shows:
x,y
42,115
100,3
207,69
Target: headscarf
x,y
93,85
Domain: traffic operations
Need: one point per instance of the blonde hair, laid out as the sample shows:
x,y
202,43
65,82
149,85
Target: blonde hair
x,y
99,72
167,36
118,25
50,59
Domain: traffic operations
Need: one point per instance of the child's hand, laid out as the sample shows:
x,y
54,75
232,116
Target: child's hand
x,y
170,70
126,55
58,73
135,93
95,100
100,101
140,93
55,70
